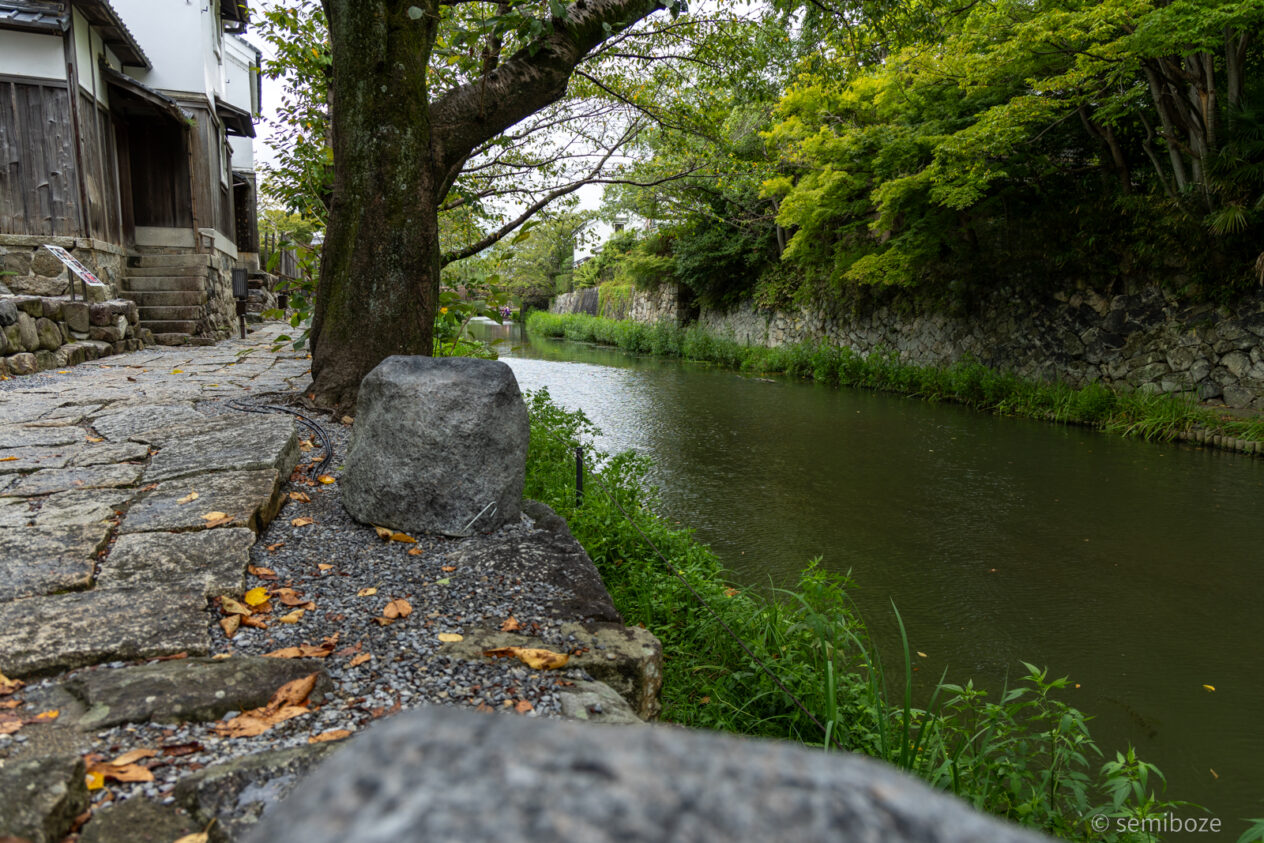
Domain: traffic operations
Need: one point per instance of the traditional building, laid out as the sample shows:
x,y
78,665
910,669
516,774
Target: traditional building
x,y
125,138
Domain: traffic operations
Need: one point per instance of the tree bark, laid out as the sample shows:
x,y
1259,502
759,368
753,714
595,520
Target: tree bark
x,y
379,278
396,154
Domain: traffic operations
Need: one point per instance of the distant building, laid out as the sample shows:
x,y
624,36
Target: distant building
x,y
125,137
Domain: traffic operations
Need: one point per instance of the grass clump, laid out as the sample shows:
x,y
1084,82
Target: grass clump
x,y
1024,754
1147,415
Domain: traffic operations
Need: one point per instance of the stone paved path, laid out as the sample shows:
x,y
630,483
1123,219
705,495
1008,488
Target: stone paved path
x,y
104,555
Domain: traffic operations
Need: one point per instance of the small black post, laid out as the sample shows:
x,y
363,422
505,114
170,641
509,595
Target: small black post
x,y
579,475
241,292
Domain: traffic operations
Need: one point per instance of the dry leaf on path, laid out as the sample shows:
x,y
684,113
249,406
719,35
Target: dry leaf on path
x,y
302,522
533,657
292,617
289,701
196,837
52,714
133,756
327,479
217,519
261,573
9,722
383,533
189,498
359,660
403,537
324,566
272,547
10,703
8,686
94,781
398,608
331,735
366,592
450,637
255,597
447,569
253,622
229,606
230,624
511,624
301,497
306,651
416,551
523,707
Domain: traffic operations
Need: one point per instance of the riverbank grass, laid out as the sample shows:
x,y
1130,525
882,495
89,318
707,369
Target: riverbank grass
x,y
1023,754
1147,415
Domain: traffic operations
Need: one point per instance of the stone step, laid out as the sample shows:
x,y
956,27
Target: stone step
x,y
169,313
165,284
167,298
151,271
171,260
169,327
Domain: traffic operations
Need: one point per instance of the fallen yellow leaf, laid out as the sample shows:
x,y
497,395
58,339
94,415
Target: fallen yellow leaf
x,y
415,551
95,781
403,537
324,566
523,706
1210,687
289,701
51,714
292,617
230,624
229,606
302,522
533,657
95,439
331,735
189,498
305,651
256,596
327,479
922,655
301,497
359,660
133,756
450,637
177,371
366,592
383,532
7,459
214,516
8,686
196,837
511,624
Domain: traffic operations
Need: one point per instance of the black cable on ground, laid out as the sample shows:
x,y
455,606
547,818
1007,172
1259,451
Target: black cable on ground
x,y
326,443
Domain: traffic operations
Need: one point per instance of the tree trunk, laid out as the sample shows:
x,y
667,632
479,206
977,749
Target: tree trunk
x,y
379,279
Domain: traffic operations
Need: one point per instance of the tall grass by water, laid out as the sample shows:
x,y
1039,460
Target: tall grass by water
x,y
1020,752
1147,415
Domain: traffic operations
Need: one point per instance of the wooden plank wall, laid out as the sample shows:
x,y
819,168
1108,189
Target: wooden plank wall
x,y
159,165
39,191
100,165
214,202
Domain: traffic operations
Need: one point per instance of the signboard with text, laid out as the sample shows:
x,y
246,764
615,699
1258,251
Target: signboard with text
x,y
72,263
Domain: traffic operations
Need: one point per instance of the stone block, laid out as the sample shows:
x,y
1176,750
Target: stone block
x,y
28,332
46,360
8,313
570,782
52,560
42,797
1237,363
250,498
49,334
31,305
44,262
105,333
138,820
52,309
18,263
208,562
248,442
76,315
52,480
438,446
21,364
100,314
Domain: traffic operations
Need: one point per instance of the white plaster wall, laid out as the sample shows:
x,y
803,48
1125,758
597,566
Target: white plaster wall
x,y
177,37
88,49
32,54
239,79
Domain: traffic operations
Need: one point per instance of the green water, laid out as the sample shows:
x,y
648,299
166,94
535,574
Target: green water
x,y
1134,568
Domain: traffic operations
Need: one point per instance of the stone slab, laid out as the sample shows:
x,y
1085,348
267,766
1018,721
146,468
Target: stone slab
x,y
21,436
237,794
252,498
34,459
187,689
208,562
43,634
82,507
52,480
37,561
119,424
596,702
41,798
14,512
439,773
138,820
110,452
255,442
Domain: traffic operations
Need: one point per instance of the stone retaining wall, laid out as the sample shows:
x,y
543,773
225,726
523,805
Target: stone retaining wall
x,y
44,332
33,270
643,306
1143,338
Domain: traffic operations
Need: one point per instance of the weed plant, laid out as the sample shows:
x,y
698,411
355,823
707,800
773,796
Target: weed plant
x,y
1147,415
1023,754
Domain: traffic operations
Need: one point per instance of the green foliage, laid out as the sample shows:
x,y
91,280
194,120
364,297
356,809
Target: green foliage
x,y
1142,414
1026,755
453,317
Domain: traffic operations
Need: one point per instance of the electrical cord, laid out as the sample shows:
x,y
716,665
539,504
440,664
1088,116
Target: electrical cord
x,y
326,443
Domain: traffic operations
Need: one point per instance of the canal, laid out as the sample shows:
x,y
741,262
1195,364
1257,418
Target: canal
x,y
1132,567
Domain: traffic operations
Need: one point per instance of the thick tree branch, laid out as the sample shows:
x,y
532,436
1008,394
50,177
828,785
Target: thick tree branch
x,y
531,79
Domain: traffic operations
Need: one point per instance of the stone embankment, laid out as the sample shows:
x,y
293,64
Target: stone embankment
x,y
1144,338
38,333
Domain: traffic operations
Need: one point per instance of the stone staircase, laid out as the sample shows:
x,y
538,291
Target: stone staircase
x,y
171,294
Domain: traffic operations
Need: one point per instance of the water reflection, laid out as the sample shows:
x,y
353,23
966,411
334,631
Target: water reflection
x,y
1133,567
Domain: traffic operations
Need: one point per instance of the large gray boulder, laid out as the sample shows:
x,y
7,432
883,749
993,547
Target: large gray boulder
x,y
439,774
438,446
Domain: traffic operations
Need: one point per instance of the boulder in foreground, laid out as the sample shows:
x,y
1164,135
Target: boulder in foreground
x,y
439,446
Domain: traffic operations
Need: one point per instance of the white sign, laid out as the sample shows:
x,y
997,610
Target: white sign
x,y
74,266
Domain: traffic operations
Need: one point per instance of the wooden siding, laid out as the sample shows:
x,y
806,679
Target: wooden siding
x,y
39,189
158,161
100,166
